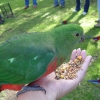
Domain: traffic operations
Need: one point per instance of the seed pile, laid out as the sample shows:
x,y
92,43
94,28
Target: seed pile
x,y
69,70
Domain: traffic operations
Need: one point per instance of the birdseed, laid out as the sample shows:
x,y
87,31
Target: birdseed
x,y
69,70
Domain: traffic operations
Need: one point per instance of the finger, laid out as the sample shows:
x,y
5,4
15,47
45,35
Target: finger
x,y
73,55
83,54
78,52
84,68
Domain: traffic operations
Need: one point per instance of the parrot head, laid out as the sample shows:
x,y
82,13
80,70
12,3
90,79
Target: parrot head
x,y
67,37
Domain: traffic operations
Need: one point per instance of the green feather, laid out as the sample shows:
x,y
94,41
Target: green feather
x,y
24,58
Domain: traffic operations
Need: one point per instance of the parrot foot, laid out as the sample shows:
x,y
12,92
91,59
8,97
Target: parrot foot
x,y
30,88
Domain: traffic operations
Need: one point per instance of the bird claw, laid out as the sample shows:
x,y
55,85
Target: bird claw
x,y
30,88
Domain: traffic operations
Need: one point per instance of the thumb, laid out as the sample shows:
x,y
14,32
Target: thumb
x,y
84,68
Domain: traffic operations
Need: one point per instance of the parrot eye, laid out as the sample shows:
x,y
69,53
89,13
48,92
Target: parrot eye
x,y
77,34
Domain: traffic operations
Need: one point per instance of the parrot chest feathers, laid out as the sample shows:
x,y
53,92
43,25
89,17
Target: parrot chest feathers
x,y
51,67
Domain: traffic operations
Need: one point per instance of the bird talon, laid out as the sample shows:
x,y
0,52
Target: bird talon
x,y
30,88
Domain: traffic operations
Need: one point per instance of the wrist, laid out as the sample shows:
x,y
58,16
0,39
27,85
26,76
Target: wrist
x,y
33,95
51,93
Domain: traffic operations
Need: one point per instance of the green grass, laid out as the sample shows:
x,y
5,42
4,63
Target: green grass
x,y
44,18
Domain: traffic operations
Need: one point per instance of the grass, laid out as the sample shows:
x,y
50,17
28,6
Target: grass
x,y
44,18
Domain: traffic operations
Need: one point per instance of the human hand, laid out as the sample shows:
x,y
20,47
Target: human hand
x,y
55,89
61,87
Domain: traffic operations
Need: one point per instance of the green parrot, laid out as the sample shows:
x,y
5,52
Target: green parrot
x,y
28,57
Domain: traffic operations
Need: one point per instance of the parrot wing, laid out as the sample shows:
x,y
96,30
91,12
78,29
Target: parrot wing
x,y
23,62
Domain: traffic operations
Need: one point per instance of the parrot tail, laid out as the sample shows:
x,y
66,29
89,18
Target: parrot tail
x,y
10,87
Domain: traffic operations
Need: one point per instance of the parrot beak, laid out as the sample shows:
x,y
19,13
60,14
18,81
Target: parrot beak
x,y
82,38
